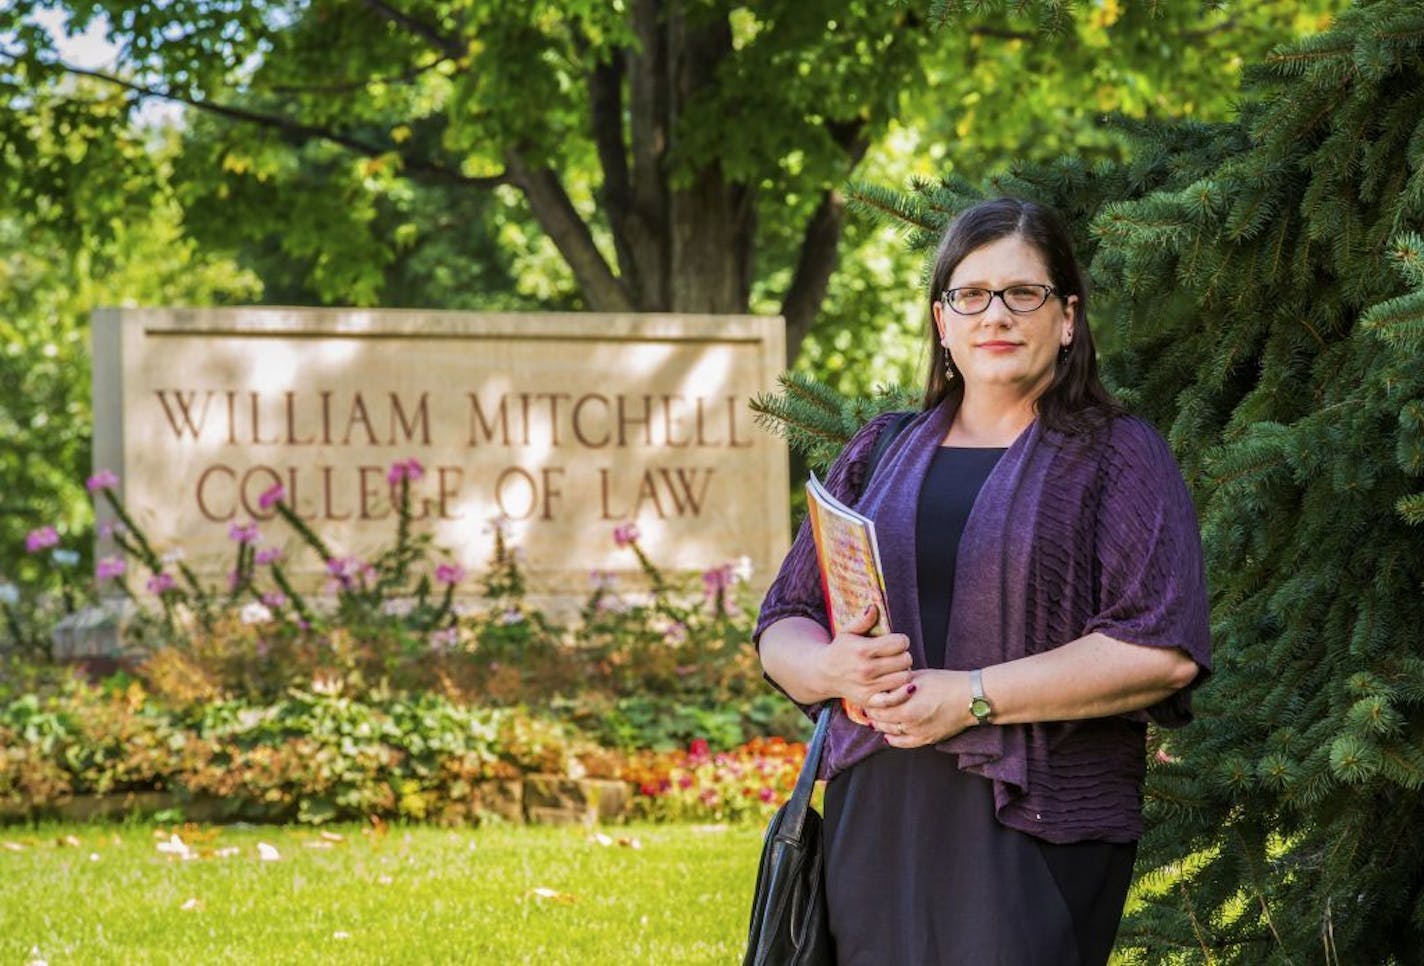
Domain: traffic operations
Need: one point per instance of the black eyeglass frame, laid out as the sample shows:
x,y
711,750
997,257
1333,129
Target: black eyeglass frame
x,y
947,297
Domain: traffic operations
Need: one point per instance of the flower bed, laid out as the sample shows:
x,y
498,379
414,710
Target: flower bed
x,y
384,695
319,757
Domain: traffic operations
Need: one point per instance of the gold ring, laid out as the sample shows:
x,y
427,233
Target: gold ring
x,y
901,731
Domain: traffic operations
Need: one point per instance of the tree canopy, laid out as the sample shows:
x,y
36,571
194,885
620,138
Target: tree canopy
x,y
675,155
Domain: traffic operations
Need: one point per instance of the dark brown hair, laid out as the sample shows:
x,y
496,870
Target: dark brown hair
x,y
1076,399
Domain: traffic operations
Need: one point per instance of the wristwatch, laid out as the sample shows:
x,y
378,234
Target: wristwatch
x,y
979,705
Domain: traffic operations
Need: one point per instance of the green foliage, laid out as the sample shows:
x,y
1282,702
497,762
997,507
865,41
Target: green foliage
x,y
1261,282
312,757
88,219
319,756
816,419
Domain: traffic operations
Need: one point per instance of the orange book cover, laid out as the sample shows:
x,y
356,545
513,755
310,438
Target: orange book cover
x,y
849,559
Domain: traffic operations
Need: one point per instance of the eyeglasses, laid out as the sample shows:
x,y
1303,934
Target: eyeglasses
x,y
1018,299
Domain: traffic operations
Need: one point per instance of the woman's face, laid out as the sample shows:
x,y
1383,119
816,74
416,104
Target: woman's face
x,y
997,347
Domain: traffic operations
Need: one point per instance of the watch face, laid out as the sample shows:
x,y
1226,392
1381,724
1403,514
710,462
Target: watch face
x,y
980,708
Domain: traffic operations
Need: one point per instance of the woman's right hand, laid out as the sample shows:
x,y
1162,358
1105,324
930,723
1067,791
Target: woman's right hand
x,y
858,667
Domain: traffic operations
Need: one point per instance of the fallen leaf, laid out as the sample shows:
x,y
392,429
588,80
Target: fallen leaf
x,y
36,957
333,837
552,895
598,838
385,880
318,845
12,846
93,856
190,905
267,853
70,841
630,842
341,934
227,852
175,846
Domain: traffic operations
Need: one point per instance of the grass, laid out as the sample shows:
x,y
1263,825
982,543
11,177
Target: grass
x,y
499,894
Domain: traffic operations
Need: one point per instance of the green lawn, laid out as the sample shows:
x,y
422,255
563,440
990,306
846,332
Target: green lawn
x,y
419,895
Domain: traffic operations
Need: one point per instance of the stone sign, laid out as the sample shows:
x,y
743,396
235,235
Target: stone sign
x,y
563,426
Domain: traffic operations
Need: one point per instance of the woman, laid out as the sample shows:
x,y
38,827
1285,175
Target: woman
x,y
1045,583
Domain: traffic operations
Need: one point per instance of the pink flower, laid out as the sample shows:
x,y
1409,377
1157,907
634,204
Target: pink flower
x,y
625,534
274,600
767,794
111,528
275,493
102,480
160,583
448,573
348,571
243,533
444,640
715,580
405,470
41,539
109,568
698,748
268,555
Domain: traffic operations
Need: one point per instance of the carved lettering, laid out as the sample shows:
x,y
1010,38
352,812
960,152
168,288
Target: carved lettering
x,y
371,493
445,491
501,493
578,421
421,419
479,424
249,493
292,423
328,508
180,415
624,420
680,484
359,415
202,493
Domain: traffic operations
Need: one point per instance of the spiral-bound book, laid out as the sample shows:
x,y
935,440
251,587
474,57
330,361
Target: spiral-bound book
x,y
849,559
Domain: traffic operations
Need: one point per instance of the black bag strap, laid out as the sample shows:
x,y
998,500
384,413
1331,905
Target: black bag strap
x,y
887,436
800,801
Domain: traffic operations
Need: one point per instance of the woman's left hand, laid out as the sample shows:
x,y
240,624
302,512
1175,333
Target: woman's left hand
x,y
932,707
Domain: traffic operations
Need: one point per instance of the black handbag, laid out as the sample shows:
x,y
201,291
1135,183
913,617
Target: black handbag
x,y
789,924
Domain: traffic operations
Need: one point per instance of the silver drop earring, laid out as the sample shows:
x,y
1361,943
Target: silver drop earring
x,y
949,373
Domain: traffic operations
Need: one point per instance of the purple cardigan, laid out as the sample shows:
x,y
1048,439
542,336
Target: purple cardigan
x,y
1070,534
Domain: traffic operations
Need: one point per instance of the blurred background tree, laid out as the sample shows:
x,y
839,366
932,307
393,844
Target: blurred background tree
x,y
647,155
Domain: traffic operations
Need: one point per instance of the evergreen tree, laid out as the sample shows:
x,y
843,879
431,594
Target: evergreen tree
x,y
1267,280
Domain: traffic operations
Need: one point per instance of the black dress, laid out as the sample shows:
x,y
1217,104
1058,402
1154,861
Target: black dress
x,y
919,871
